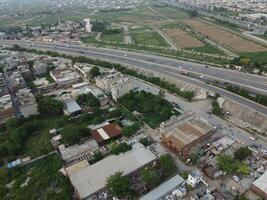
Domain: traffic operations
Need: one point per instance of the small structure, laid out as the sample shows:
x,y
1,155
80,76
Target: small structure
x,y
14,163
72,108
194,178
106,133
164,188
259,186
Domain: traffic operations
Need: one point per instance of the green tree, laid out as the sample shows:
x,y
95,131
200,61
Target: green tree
x,y
98,156
118,185
167,165
150,177
242,168
129,131
74,133
49,106
145,141
226,163
94,72
88,100
120,148
242,153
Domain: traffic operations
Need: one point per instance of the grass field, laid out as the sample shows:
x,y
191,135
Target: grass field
x,y
207,49
260,57
231,40
39,180
172,13
149,38
115,37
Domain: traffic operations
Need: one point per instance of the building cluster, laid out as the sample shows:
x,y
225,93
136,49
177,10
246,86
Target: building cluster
x,y
233,5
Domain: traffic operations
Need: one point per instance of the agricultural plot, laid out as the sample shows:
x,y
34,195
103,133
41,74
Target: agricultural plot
x,y
149,38
222,37
171,13
182,39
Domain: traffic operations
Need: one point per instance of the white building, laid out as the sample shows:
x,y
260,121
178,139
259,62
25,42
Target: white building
x,y
6,108
115,83
88,26
194,178
121,87
27,103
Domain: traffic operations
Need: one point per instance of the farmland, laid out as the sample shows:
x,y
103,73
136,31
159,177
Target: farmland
x,y
225,38
182,39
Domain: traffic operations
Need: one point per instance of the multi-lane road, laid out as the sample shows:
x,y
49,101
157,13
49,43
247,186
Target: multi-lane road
x,y
168,66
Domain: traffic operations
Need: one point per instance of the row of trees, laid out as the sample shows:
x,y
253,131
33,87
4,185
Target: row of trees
x,y
261,99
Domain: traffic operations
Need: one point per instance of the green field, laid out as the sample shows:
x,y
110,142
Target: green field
x,y
207,49
115,37
39,180
172,13
149,38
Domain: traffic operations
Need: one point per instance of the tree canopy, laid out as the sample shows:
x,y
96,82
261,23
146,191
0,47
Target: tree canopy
x,y
94,72
119,185
150,177
120,148
88,100
167,164
242,153
49,106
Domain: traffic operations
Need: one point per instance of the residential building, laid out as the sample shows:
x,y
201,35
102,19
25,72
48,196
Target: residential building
x,y
88,26
115,83
27,102
65,76
180,133
6,108
92,179
83,69
121,87
40,68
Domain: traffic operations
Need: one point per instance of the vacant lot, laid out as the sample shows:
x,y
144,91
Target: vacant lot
x,y
223,37
182,39
149,38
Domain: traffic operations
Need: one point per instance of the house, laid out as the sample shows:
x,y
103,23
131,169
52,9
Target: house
x,y
180,133
6,108
27,103
104,134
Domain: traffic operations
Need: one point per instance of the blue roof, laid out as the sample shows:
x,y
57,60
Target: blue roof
x,y
72,106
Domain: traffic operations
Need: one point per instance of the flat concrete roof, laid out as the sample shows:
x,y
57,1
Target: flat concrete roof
x,y
164,188
261,182
76,150
72,106
93,178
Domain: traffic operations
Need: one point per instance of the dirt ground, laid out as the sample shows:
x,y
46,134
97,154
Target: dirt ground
x,y
223,37
182,39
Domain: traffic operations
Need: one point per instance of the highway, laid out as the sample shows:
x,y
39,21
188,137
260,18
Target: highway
x,y
168,66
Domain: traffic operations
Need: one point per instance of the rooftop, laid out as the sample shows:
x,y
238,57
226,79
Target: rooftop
x,y
164,188
91,179
106,132
261,182
72,106
76,150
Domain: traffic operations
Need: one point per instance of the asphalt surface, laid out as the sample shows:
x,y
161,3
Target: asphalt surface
x,y
168,66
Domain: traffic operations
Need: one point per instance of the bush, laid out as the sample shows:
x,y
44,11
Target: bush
x,y
145,141
120,148
242,153
74,133
88,100
167,165
129,131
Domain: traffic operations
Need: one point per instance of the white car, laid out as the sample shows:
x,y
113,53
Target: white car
x,y
252,138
